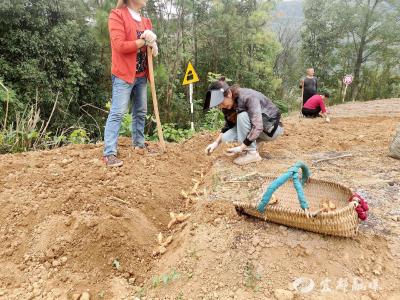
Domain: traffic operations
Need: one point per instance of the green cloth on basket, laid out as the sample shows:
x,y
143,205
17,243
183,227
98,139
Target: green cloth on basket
x,y
293,172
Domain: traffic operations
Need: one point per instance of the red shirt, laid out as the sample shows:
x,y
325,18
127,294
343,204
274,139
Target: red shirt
x,y
123,34
315,102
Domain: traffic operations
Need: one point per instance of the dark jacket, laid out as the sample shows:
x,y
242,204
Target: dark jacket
x,y
264,115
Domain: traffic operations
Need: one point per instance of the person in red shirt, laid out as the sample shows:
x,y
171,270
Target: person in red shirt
x,y
130,34
315,107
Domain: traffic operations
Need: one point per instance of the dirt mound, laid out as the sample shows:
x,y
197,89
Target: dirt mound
x,y
68,224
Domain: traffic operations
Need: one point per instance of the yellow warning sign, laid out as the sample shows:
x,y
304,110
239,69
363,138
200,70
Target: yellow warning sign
x,y
190,76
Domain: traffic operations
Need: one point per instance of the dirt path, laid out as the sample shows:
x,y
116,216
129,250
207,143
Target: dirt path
x,y
68,224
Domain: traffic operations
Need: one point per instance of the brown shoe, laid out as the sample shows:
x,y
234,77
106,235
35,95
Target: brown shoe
x,y
140,150
112,161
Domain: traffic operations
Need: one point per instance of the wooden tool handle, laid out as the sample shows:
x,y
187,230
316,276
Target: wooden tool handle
x,y
154,97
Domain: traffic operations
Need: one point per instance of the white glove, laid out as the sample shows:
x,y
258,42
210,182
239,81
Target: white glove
x,y
210,148
149,36
154,49
236,150
152,44
328,120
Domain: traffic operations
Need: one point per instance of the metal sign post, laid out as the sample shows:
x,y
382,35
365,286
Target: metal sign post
x,y
347,80
190,78
191,106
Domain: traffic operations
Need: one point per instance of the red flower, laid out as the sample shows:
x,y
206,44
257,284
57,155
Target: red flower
x,y
364,205
362,215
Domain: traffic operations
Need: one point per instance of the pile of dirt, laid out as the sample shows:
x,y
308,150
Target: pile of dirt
x,y
69,225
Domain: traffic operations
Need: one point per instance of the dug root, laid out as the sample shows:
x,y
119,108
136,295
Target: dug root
x,y
250,119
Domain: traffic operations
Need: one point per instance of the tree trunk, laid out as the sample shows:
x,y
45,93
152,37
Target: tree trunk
x,y
357,69
361,49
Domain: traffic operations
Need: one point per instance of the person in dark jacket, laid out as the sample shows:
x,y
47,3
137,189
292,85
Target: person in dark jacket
x,y
250,117
309,85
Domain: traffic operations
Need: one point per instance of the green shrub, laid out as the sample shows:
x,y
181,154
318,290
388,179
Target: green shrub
x,y
23,134
211,77
126,126
213,120
282,105
78,136
165,279
173,134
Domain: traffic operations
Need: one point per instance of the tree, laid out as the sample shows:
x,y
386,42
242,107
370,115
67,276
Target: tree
x,y
288,67
373,25
226,37
342,37
46,48
50,47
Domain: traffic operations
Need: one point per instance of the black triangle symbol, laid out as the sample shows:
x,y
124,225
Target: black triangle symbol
x,y
190,76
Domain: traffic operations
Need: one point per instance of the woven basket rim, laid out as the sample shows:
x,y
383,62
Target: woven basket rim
x,y
278,209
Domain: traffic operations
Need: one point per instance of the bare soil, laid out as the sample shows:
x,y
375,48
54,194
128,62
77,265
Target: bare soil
x,y
69,225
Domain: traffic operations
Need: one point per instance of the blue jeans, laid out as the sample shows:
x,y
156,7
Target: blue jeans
x,y
122,94
242,129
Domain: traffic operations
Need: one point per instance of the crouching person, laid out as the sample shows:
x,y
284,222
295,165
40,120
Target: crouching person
x,y
250,118
315,107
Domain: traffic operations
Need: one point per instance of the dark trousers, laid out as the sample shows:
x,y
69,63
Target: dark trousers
x,y
311,113
307,95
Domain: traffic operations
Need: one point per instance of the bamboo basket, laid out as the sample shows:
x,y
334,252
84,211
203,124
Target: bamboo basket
x,y
343,221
